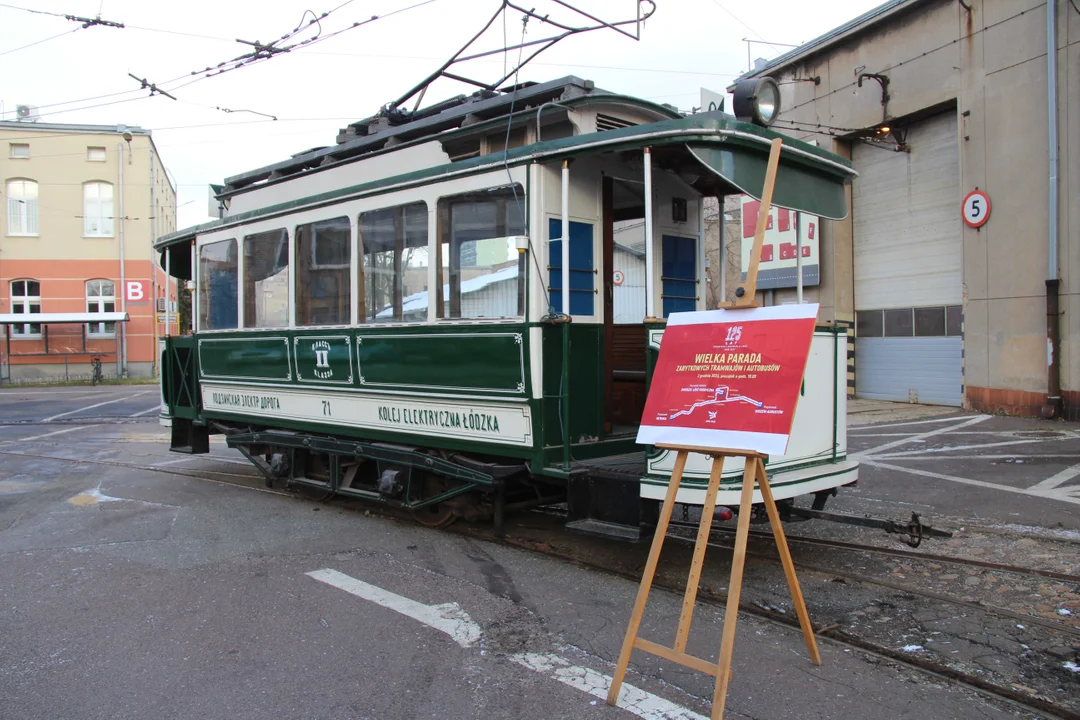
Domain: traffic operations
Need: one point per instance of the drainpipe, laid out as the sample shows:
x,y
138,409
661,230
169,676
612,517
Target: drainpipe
x,y
1052,408
121,362
154,269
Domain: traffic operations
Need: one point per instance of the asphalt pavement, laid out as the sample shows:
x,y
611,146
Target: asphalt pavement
x,y
136,583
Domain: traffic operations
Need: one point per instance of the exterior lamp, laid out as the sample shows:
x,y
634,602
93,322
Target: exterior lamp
x,y
757,100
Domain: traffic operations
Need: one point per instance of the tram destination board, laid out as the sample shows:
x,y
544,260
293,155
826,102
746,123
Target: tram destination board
x,y
729,378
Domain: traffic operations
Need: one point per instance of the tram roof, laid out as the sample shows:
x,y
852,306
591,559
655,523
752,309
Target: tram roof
x,y
734,154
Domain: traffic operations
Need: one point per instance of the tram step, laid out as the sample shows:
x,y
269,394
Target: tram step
x,y
189,438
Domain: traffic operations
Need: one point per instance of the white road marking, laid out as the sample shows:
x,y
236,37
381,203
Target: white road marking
x,y
875,426
450,619
637,701
1019,458
447,618
921,436
91,407
951,448
1060,479
177,461
50,434
1053,494
147,410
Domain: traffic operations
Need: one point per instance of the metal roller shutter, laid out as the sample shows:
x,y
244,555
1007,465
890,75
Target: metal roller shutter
x,y
908,255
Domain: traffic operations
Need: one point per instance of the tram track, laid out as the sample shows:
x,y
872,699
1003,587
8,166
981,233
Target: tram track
x,y
905,587
905,554
831,633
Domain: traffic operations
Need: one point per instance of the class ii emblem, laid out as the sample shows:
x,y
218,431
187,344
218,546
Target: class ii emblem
x,y
734,334
321,349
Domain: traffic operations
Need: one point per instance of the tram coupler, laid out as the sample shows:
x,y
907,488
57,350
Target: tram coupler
x,y
913,529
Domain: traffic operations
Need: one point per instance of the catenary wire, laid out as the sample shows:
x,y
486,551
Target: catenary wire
x,y
45,40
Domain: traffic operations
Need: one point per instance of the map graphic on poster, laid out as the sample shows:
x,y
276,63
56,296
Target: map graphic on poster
x,y
729,378
786,234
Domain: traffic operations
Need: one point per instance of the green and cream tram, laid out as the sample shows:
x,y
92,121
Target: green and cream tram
x,y
457,312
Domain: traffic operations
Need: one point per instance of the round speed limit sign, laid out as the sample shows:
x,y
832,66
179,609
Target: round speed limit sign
x,y
976,208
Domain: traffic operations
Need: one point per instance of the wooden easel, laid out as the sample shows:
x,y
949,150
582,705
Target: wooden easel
x,y
753,472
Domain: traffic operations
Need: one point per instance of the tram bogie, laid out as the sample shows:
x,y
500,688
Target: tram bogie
x,y
395,318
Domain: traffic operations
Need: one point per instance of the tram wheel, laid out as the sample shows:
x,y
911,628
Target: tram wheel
x,y
437,514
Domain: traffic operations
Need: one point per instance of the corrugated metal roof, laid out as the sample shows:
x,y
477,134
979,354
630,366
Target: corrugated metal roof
x,y
880,13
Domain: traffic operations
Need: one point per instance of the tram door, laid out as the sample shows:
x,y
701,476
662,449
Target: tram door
x,y
624,307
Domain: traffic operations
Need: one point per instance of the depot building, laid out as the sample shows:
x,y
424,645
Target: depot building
x,y
955,263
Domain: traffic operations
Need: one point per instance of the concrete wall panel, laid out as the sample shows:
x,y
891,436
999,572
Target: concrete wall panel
x,y
976,342
1017,179
1017,343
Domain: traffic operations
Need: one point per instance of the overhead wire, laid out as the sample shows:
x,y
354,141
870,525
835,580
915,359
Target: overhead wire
x,y
169,84
53,37
740,21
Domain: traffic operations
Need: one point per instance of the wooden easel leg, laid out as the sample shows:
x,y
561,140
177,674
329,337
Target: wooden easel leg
x,y
789,566
731,613
647,578
690,597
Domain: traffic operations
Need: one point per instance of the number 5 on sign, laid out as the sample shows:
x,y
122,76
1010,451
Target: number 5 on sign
x,y
976,209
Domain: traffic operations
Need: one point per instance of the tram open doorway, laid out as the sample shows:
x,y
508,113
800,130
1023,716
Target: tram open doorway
x,y
625,286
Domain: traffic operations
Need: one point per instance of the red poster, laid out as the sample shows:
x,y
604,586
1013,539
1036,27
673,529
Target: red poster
x,y
729,378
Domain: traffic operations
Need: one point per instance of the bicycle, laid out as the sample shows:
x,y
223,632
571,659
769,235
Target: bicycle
x,y
97,376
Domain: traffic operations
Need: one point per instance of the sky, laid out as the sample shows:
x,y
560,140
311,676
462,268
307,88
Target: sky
x,y
318,88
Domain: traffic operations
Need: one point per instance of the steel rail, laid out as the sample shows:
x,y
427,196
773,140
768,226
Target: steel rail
x,y
858,547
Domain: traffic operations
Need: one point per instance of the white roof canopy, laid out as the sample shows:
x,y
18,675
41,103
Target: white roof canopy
x,y
59,318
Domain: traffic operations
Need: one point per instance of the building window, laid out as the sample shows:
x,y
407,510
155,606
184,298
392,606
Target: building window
x,y
481,268
323,261
19,151
97,209
96,154
394,251
22,207
266,279
100,298
218,286
26,298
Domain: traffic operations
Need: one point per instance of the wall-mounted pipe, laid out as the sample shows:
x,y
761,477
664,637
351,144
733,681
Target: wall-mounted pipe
x,y
121,361
1052,408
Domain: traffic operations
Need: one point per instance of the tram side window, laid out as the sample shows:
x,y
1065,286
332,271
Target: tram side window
x,y
218,286
323,254
266,279
481,269
394,250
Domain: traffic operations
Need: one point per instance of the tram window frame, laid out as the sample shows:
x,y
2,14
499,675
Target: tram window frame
x,y
509,221
210,287
256,258
337,272
403,238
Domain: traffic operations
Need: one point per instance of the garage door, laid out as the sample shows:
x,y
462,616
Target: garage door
x,y
908,267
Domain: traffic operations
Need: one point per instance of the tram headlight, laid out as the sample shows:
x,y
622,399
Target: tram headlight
x,y
757,100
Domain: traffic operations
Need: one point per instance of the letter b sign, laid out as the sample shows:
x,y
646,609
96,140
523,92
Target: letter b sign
x,y
135,291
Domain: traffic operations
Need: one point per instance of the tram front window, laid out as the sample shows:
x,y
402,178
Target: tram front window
x,y
323,258
479,262
218,286
266,279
